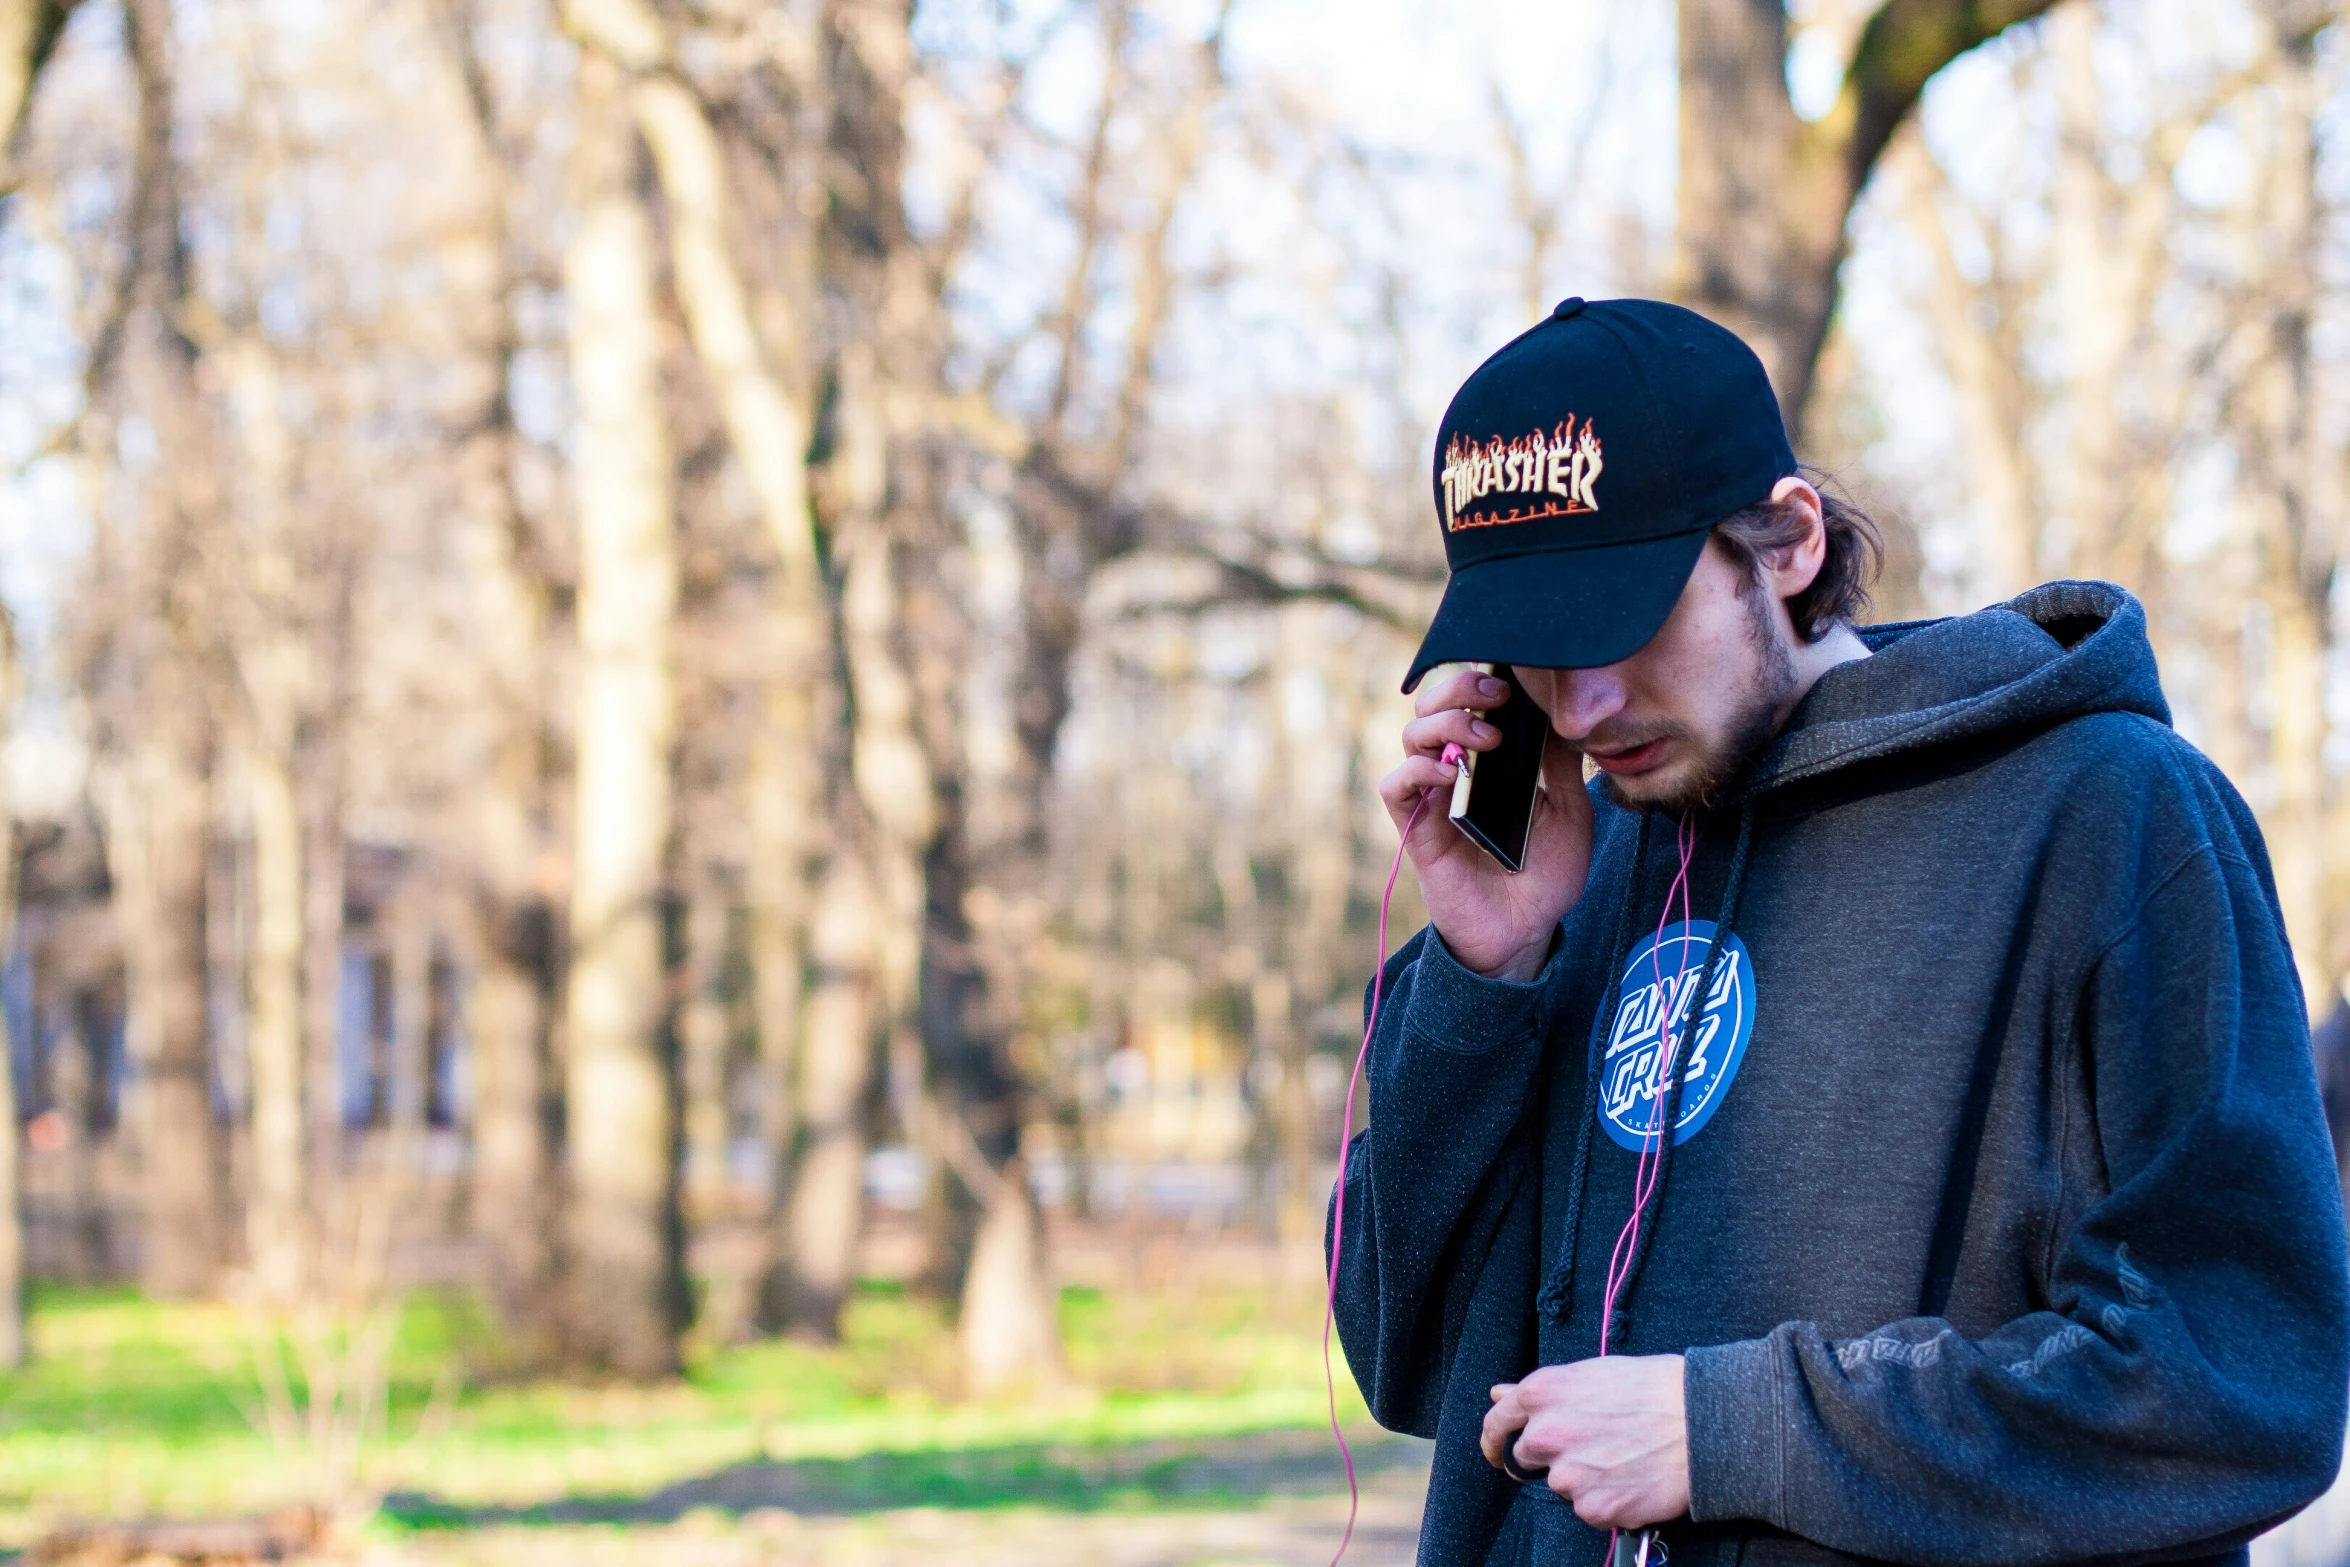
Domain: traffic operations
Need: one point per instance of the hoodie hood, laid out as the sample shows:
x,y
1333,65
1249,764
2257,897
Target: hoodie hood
x,y
2059,651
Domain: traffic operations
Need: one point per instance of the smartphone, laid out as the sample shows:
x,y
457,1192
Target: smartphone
x,y
1493,798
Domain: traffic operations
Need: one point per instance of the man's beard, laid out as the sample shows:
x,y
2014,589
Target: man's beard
x,y
1721,760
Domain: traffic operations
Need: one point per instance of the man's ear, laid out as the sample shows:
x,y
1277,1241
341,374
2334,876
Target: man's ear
x,y
1796,567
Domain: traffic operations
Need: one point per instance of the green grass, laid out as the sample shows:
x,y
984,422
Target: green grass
x,y
132,1407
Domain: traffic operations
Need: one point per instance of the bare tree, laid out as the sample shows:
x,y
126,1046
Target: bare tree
x,y
1764,195
159,802
270,657
750,334
1074,516
621,1143
29,31
2272,408
510,927
2091,255
12,1275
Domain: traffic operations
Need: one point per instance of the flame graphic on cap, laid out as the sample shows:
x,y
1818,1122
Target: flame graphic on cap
x,y
1561,466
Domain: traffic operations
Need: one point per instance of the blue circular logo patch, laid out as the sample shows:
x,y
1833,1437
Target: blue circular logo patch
x,y
1660,984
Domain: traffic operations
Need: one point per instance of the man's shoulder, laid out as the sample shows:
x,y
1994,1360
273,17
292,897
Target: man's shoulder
x,y
2128,757
2142,789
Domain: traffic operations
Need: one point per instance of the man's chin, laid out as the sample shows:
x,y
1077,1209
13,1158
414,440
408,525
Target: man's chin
x,y
1673,788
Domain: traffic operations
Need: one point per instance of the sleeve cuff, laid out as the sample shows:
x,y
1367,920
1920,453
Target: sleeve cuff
x,y
1730,1393
1456,1009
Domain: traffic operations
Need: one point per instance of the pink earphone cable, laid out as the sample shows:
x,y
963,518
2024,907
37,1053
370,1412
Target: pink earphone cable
x,y
1346,1134
1645,1173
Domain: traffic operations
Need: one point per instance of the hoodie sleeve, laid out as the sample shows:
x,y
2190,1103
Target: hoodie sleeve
x,y
1452,1067
2186,1388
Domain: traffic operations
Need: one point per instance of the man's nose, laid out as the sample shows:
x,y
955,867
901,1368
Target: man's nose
x,y
1585,699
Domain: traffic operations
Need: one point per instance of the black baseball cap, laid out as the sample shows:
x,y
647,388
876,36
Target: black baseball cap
x,y
1576,474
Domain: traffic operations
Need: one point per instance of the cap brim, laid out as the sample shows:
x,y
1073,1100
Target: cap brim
x,y
1559,609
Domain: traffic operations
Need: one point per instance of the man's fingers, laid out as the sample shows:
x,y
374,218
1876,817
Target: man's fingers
x,y
1611,1436
1497,1445
1541,1441
1546,1382
1502,1423
1402,788
1454,726
1462,688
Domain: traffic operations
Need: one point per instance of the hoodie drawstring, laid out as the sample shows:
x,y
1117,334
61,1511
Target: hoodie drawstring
x,y
1557,1293
1675,1078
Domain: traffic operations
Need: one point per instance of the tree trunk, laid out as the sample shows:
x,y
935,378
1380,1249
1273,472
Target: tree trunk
x,y
1249,954
2094,307
1990,402
512,1206
824,1214
1755,217
906,645
2295,825
323,891
621,1140
274,1215
29,30
12,1334
272,664
2294,476
764,410
893,783
160,813
1009,1328
2313,495
78,1076
779,829
981,857
160,837
411,935
1009,1324
1764,196
509,925
703,1038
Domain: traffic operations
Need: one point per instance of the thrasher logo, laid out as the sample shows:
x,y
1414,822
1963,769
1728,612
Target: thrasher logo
x,y
1554,474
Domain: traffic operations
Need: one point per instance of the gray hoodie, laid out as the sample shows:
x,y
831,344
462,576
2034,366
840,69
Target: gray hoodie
x,y
1999,1223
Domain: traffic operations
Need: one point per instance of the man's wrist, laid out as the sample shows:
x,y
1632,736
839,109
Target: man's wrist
x,y
1522,967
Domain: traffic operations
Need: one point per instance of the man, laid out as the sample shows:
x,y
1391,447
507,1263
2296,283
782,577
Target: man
x,y
1878,1123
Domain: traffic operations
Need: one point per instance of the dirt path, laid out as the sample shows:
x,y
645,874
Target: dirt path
x,y
1289,1532
1251,1501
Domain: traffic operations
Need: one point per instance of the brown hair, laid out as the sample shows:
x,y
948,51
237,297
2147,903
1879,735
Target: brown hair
x,y
1856,549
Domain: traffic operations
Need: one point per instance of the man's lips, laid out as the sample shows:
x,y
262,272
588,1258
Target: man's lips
x,y
1632,759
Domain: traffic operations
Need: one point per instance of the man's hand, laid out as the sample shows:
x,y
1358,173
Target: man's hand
x,y
1495,924
1612,1433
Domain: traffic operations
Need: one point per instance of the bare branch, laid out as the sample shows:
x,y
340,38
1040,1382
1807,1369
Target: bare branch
x,y
29,31
1395,598
1904,44
1154,286
1067,324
